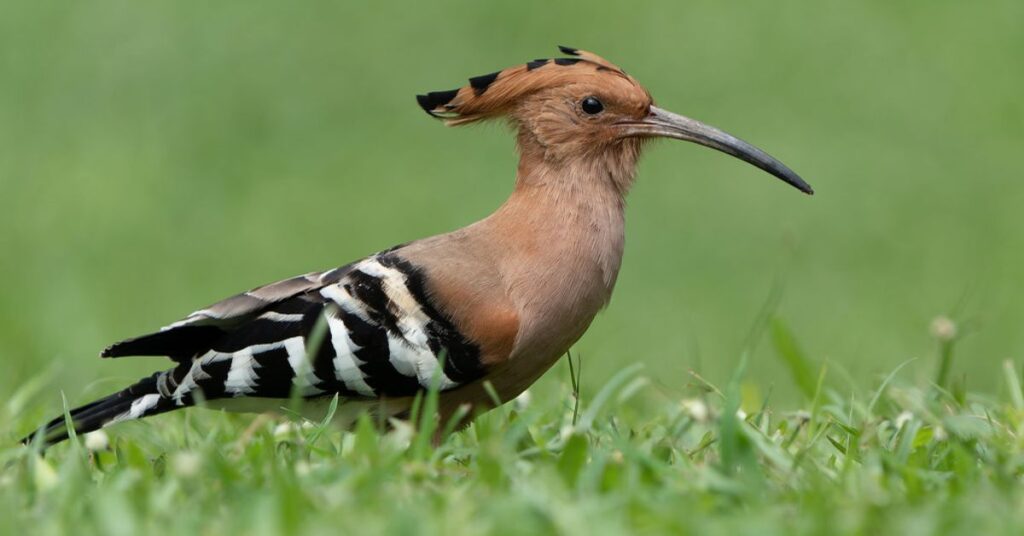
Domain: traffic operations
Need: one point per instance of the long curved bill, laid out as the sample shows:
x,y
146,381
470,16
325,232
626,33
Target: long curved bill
x,y
663,123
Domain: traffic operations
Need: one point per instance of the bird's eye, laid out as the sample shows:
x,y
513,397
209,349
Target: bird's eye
x,y
591,105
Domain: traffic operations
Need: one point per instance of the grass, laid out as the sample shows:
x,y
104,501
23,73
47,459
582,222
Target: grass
x,y
895,459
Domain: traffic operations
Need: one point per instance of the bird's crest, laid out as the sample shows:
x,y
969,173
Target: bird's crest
x,y
494,94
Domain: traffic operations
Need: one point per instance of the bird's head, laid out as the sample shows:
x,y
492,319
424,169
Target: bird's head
x,y
584,107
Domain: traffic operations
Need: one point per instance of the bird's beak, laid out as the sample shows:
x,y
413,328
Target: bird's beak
x,y
663,123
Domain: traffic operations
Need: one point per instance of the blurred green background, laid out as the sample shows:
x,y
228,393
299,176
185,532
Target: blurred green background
x,y
158,156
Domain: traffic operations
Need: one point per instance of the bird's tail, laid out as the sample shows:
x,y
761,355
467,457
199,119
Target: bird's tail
x,y
142,399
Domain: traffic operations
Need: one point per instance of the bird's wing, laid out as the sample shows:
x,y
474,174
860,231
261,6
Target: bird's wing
x,y
196,332
368,329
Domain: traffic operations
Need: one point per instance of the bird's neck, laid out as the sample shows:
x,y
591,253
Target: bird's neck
x,y
561,234
562,225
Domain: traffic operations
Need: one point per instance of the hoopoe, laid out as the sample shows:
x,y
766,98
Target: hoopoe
x,y
497,302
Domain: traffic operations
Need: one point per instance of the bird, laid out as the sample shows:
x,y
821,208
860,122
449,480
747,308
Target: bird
x,y
477,314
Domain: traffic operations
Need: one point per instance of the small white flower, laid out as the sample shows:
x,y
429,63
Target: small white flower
x,y
696,409
741,415
903,418
522,401
186,463
284,431
943,328
96,441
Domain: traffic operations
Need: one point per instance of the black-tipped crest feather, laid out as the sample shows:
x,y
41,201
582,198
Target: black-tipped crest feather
x,y
435,99
480,83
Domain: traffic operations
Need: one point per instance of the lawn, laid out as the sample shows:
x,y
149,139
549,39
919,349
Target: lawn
x,y
898,459
157,157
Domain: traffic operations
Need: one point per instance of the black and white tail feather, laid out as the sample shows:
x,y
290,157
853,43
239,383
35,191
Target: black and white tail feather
x,y
363,331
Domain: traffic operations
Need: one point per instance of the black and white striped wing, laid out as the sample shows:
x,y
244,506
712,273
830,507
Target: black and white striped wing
x,y
365,330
